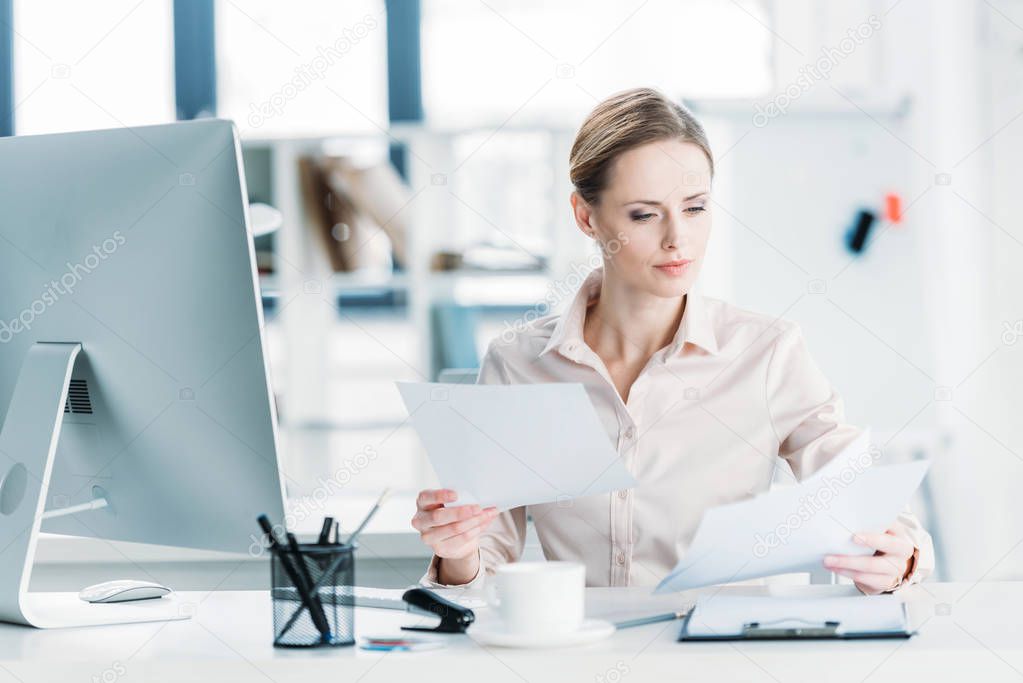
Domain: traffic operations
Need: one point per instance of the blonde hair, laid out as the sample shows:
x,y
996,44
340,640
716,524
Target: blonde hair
x,y
622,122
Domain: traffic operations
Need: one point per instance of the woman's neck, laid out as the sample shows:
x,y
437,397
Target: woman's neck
x,y
627,324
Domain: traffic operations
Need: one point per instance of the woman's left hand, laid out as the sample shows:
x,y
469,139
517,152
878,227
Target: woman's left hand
x,y
880,572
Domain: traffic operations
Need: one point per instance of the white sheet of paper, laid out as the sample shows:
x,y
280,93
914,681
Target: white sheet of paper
x,y
727,615
791,529
517,444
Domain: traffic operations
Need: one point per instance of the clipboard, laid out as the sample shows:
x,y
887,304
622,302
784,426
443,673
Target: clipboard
x,y
828,630
805,617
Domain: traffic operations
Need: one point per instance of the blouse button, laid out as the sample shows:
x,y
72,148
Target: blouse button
x,y
620,558
623,494
630,432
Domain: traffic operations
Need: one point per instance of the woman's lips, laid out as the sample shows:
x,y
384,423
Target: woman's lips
x,y
674,268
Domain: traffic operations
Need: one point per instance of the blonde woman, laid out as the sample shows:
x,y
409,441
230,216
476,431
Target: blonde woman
x,y
699,396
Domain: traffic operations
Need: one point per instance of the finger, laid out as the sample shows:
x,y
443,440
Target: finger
x,y
447,515
424,520
466,542
874,564
887,542
868,579
430,499
442,533
460,545
872,582
434,498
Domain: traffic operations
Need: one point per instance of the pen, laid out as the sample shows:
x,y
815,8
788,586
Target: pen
x,y
316,607
321,622
643,621
328,524
369,516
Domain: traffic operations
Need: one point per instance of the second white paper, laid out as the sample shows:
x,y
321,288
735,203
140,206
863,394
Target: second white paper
x,y
790,529
512,445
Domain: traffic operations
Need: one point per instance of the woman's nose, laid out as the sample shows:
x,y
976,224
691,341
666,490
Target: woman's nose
x,y
673,233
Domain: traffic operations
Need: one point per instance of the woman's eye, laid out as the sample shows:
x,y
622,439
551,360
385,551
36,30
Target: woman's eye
x,y
642,217
695,209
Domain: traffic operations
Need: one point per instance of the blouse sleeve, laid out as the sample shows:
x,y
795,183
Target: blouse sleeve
x,y
808,418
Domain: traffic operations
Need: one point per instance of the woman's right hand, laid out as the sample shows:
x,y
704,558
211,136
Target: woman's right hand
x,y
451,532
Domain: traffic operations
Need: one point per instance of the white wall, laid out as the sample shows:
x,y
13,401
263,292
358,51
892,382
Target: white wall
x,y
910,332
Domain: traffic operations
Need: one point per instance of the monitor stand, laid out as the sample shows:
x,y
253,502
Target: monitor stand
x,y
28,442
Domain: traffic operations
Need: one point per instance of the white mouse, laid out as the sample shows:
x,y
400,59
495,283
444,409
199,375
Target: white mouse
x,y
123,590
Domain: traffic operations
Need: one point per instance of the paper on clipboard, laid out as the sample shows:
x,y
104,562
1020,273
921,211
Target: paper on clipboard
x,y
512,445
729,615
791,529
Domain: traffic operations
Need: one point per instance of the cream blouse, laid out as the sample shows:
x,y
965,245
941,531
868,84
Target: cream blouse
x,y
704,424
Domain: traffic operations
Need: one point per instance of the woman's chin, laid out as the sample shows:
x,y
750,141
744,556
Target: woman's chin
x,y
661,285
671,290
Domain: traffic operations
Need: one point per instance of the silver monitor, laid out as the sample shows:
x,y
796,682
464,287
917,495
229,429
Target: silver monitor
x,y
134,392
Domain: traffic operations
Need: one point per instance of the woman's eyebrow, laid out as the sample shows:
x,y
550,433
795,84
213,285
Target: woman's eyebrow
x,y
655,203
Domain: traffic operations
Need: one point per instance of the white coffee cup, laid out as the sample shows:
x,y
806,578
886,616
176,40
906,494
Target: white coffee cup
x,y
539,598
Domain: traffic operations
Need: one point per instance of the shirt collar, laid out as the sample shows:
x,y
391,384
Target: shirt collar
x,y
695,327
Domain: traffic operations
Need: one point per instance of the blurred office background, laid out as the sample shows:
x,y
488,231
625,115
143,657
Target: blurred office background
x,y
417,153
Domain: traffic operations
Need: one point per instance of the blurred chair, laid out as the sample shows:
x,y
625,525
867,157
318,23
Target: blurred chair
x,y
458,375
453,327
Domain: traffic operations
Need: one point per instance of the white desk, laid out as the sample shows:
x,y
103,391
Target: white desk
x,y
978,637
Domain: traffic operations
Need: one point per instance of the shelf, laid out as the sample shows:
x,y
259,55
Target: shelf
x,y
467,287
346,283
490,288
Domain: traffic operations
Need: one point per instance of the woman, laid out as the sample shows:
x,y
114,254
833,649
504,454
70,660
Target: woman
x,y
698,396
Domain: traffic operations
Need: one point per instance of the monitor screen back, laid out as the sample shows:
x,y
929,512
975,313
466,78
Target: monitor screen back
x,y
135,243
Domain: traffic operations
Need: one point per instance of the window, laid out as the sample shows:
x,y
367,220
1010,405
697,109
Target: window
x,y
552,61
318,70
80,66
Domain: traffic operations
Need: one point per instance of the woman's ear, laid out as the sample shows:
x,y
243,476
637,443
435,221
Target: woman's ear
x,y
584,215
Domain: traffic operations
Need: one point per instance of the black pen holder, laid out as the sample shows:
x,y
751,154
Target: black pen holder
x,y
312,594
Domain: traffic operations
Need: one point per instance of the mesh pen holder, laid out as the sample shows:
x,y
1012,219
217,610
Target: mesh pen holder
x,y
327,619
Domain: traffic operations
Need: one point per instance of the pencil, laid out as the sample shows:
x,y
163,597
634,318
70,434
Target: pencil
x,y
643,621
369,516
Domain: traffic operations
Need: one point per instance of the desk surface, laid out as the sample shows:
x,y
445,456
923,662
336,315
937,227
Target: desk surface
x,y
967,632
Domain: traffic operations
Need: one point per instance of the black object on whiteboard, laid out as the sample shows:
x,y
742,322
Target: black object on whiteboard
x,y
856,240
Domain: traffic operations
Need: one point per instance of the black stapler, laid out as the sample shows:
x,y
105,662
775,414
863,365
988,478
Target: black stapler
x,y
453,618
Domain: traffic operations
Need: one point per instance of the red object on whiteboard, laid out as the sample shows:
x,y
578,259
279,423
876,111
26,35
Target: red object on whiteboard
x,y
893,208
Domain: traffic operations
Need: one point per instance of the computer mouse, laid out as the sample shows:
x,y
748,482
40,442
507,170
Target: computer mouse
x,y
123,590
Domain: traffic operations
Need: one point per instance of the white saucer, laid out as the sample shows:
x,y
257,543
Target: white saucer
x,y
493,633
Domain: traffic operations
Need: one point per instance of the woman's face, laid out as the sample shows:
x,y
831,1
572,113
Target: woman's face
x,y
653,218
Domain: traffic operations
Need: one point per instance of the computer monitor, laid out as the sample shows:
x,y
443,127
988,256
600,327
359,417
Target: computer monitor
x,y
134,390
